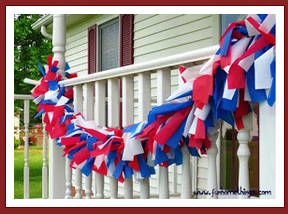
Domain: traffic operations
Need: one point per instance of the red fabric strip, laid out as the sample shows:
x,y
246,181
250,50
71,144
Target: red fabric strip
x,y
156,123
70,140
203,88
195,143
95,133
81,155
236,77
168,130
200,130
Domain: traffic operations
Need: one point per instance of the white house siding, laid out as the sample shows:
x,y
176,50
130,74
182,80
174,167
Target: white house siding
x,y
155,36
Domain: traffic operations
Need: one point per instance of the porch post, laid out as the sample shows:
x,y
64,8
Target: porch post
x,y
267,149
56,161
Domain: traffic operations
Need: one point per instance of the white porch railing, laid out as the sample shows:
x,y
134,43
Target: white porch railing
x,y
27,99
83,94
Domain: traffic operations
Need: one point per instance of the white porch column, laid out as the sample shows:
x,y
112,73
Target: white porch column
x,y
267,148
243,154
59,41
212,169
56,162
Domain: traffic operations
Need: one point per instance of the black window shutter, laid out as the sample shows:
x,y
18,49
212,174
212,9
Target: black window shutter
x,y
126,39
92,49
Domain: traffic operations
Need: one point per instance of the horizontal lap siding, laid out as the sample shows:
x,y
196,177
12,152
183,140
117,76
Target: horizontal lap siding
x,y
163,35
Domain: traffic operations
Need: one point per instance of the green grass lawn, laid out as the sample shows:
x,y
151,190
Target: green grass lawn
x,y
35,166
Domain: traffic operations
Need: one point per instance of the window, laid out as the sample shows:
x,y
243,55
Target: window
x,y
109,45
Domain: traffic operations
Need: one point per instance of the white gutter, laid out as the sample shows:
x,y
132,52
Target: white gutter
x,y
44,21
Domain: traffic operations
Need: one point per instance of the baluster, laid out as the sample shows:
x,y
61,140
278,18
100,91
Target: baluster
x,y
144,104
99,117
174,179
186,184
78,107
88,115
26,150
212,170
113,121
163,91
243,154
68,178
194,166
127,113
44,167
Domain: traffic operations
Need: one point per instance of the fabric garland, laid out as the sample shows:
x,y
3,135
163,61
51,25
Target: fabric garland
x,y
241,72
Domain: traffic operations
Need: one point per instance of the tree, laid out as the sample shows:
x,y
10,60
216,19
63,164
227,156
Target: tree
x,y
30,47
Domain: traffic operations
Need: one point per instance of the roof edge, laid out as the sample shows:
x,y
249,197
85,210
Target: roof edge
x,y
46,20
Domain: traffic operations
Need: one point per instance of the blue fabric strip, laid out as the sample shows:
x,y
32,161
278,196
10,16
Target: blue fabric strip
x,y
86,169
83,136
61,93
67,67
226,43
53,85
90,142
170,107
39,113
256,95
118,170
230,105
176,137
128,171
272,93
160,156
41,69
48,102
54,69
143,166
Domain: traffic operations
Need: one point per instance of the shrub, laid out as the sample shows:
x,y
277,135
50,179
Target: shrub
x,y
16,143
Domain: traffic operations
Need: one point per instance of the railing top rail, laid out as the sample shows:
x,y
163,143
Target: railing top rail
x,y
174,60
23,97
